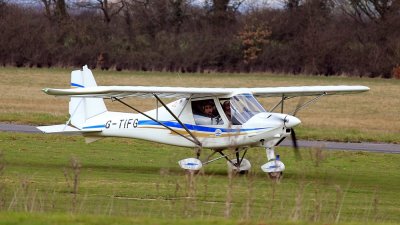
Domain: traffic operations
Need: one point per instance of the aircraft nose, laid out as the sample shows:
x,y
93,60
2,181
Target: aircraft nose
x,y
291,121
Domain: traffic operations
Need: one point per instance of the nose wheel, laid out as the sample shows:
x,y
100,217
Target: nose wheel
x,y
274,167
275,176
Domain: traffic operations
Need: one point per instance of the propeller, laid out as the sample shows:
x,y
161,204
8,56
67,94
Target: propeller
x,y
295,145
293,134
290,122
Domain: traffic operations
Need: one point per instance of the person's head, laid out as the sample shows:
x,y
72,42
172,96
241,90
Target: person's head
x,y
226,106
208,109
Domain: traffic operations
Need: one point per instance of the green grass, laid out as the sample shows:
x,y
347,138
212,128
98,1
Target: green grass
x,y
51,219
33,118
125,181
128,179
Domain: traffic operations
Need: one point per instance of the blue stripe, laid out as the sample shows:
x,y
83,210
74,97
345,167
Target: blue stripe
x,y
189,126
77,85
196,127
95,126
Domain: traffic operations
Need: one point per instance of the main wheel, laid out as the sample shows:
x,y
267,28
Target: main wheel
x,y
243,168
275,176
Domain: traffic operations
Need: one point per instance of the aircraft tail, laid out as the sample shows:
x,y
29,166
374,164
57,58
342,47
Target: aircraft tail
x,y
82,109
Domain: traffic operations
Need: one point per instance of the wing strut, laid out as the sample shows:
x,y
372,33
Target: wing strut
x,y
237,151
283,99
307,103
179,121
195,141
298,108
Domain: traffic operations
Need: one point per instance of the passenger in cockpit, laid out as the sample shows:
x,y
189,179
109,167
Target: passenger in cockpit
x,y
226,106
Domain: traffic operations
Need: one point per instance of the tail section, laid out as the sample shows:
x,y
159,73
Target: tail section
x,y
82,109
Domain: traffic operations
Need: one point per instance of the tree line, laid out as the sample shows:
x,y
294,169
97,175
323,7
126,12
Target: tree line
x,y
324,37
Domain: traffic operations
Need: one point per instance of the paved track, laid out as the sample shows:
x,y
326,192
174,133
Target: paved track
x,y
371,147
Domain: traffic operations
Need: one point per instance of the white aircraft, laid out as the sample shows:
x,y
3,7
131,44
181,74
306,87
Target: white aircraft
x,y
213,118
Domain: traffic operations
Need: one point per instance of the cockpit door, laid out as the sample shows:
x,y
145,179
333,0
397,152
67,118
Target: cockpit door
x,y
240,108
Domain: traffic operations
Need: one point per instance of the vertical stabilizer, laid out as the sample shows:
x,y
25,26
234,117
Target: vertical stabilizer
x,y
82,109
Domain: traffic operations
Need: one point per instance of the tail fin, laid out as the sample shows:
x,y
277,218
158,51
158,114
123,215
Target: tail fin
x,y
82,109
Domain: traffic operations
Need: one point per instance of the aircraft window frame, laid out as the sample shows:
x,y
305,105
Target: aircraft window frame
x,y
199,116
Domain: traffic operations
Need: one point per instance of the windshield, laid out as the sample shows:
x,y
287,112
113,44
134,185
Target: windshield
x,y
242,108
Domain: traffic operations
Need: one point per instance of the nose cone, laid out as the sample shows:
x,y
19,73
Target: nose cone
x,y
291,121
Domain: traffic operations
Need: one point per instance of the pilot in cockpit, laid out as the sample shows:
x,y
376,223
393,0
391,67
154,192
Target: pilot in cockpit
x,y
209,115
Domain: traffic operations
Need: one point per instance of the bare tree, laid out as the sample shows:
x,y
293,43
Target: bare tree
x,y
55,10
225,5
292,4
108,8
178,14
369,10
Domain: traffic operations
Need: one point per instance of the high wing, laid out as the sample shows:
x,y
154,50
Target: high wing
x,y
180,92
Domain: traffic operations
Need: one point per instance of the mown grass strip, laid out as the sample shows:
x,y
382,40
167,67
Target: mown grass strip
x,y
68,219
139,179
32,118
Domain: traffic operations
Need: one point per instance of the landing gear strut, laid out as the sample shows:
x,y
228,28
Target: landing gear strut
x,y
239,165
274,167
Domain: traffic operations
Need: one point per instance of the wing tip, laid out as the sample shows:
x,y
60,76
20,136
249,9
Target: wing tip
x,y
364,88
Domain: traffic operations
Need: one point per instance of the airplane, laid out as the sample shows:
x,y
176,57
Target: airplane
x,y
213,118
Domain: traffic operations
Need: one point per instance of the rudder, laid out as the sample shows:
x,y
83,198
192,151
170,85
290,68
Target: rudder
x,y
82,109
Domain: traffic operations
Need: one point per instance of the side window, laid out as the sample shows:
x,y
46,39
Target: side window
x,y
205,113
226,106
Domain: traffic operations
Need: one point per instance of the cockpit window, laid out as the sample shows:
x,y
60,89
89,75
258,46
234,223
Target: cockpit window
x,y
242,108
205,113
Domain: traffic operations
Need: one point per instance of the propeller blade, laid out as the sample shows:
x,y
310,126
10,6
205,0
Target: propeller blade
x,y
295,145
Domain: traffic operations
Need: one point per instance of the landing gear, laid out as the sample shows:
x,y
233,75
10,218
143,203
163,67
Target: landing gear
x,y
241,167
274,167
240,164
275,176
191,164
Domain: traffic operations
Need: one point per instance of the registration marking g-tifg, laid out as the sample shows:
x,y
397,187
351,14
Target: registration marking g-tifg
x,y
123,123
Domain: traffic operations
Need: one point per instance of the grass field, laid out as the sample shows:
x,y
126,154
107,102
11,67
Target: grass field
x,y
370,116
128,179
51,179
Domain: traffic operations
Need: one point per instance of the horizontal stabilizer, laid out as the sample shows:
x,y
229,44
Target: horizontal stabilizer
x,y
64,129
